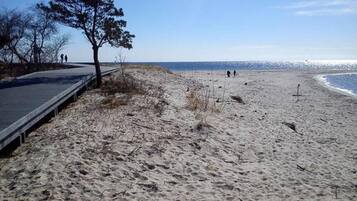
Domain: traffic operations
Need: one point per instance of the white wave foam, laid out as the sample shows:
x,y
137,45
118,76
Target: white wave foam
x,y
323,81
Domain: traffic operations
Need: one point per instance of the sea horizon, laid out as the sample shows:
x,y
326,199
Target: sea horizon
x,y
256,65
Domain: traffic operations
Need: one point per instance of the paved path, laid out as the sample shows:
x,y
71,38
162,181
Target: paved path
x,y
29,96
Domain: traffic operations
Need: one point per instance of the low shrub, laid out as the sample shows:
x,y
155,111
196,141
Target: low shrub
x,y
122,83
111,102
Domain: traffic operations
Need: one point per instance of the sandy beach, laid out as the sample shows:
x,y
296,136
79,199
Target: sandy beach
x,y
157,146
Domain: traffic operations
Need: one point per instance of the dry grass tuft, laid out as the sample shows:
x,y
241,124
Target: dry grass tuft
x,y
122,83
203,103
194,100
119,89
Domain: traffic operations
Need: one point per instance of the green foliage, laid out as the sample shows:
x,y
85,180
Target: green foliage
x,y
98,19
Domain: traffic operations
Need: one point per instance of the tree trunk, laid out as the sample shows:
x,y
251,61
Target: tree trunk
x,y
19,56
97,66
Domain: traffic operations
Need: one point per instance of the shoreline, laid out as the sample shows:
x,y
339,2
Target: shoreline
x,y
320,78
317,75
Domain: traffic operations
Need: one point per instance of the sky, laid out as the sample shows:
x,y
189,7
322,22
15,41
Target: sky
x,y
227,30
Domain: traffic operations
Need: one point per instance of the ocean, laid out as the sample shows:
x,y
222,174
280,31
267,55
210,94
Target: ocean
x,y
345,83
258,65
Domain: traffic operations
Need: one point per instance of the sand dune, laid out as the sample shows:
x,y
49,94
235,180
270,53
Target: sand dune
x,y
156,148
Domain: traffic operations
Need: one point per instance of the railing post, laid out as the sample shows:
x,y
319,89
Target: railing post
x,y
23,137
55,112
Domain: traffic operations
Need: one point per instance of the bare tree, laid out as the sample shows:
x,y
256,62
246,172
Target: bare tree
x,y
43,28
51,50
4,38
14,28
29,37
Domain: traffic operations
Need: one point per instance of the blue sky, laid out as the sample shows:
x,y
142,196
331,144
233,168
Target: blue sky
x,y
212,30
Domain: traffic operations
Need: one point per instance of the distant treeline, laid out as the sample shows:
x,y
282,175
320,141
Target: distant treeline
x,y
29,36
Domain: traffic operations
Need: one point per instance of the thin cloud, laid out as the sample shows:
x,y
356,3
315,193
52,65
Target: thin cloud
x,y
320,4
322,7
298,48
323,12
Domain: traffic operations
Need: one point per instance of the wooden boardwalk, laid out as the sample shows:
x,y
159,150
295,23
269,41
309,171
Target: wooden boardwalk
x,y
28,99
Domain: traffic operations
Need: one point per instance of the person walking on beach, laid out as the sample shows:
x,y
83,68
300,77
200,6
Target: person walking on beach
x,y
62,58
66,58
228,73
234,73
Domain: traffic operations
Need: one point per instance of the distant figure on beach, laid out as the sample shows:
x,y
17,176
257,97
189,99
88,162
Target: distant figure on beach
x,y
234,73
62,58
66,58
228,73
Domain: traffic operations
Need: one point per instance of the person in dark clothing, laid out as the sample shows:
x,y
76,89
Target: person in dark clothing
x,y
66,58
62,58
228,73
234,73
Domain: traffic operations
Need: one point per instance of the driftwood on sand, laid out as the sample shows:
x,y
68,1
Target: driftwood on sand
x,y
238,99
